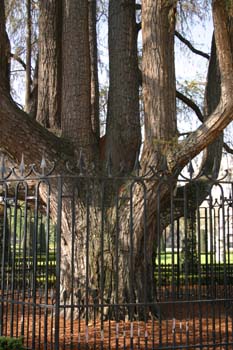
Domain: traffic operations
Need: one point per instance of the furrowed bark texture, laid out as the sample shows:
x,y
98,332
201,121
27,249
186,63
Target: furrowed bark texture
x,y
213,153
123,123
94,69
22,134
49,75
4,50
158,72
76,77
222,15
28,57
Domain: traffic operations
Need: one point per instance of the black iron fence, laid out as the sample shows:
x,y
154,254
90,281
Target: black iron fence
x,y
116,263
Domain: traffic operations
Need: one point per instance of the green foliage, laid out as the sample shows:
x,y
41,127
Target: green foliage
x,y
8,343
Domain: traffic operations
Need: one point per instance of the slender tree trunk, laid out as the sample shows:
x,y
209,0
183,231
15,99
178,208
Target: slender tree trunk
x,y
76,78
4,50
94,69
158,74
28,57
213,153
49,75
33,101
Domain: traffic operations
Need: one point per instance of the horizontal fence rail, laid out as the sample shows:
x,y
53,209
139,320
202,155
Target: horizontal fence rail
x,y
91,262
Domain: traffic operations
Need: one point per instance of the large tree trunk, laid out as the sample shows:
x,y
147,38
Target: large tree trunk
x,y
115,234
108,248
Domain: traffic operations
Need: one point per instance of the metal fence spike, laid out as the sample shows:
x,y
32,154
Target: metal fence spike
x,y
164,166
2,166
190,169
137,165
22,166
43,164
81,163
109,164
215,169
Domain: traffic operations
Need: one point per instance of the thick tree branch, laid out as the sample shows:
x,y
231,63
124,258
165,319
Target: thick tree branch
x,y
190,103
190,46
22,134
179,156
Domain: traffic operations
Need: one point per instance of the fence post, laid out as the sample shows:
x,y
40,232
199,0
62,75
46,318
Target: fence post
x,y
58,261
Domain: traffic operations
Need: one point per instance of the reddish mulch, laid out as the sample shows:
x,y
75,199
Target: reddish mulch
x,y
182,326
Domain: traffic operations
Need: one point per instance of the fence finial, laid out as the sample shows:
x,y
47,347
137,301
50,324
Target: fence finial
x,y
137,166
109,164
164,166
2,166
81,163
190,169
43,164
22,166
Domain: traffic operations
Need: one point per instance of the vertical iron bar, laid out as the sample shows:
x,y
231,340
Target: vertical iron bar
x,y
58,261
199,264
131,268
159,286
145,301
34,253
72,267
13,263
3,260
87,263
117,271
102,266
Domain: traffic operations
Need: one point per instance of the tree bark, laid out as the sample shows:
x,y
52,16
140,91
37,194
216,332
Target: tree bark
x,y
76,78
94,69
4,50
49,74
28,57
158,73
213,153
123,122
21,134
